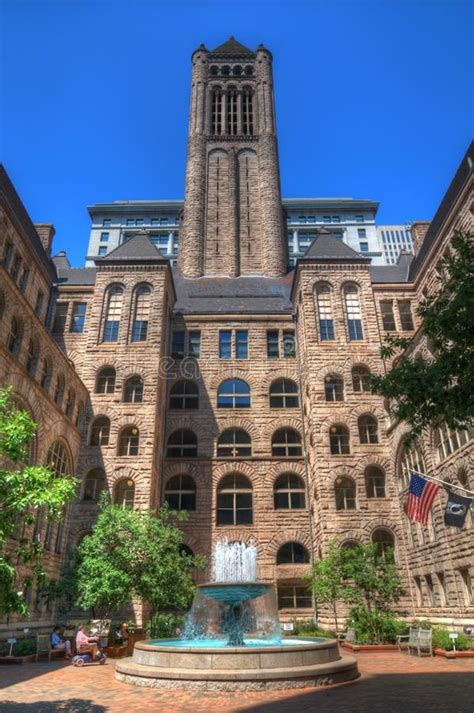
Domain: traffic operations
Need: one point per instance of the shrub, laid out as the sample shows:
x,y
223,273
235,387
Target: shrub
x,y
163,626
376,627
441,640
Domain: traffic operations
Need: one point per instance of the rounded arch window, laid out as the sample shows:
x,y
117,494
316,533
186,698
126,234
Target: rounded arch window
x,y
368,429
15,335
100,432
345,494
32,356
113,313
180,493
411,460
234,443
292,553
233,393
94,484
350,545
289,492
133,390
59,460
325,315
286,443
141,312
360,378
237,70
353,313
70,403
339,440
80,414
248,70
385,543
184,395
182,444
225,70
46,374
106,381
186,550
129,441
334,387
284,394
124,493
213,70
374,482
234,500
59,390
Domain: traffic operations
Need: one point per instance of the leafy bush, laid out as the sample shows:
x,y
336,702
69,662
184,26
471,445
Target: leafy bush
x,y
376,627
306,627
163,626
25,647
441,640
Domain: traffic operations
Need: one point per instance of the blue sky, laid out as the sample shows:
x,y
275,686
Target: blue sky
x,y
374,99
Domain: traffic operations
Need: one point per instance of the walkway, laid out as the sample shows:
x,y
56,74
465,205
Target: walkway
x,y
390,683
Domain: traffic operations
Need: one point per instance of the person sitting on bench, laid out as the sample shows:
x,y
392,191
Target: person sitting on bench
x,y
87,644
59,644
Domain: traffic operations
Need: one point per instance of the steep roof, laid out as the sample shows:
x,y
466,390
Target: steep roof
x,y
326,247
76,276
392,273
138,249
232,47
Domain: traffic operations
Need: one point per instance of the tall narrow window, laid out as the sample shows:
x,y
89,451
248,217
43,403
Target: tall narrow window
x,y
8,252
100,432
106,381
406,317
113,314
78,317
326,322
94,484
231,111
59,391
225,344
345,494
25,275
180,493
360,379
273,351
289,492
177,344
216,111
129,441
133,391
15,336
141,313
374,482
60,316
354,320
241,344
195,344
385,542
334,387
70,403
33,355
368,431
234,501
46,374
39,303
339,440
388,317
247,111
58,460
124,493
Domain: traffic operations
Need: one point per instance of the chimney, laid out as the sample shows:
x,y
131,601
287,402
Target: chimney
x,y
419,228
46,233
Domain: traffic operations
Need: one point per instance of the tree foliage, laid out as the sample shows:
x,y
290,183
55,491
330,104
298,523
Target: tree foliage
x,y
327,579
131,554
24,490
425,392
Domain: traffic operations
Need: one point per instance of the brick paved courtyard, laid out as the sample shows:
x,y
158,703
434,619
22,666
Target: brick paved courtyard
x,y
389,683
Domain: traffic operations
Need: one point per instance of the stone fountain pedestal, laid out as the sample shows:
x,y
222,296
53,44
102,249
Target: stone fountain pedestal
x,y
304,663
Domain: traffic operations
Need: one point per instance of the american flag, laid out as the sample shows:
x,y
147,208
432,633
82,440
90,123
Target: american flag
x,y
421,494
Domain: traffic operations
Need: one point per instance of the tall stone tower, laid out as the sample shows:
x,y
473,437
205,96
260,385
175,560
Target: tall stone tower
x,y
232,223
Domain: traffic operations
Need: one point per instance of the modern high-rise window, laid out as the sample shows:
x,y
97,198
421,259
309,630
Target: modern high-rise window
x,y
104,237
102,251
106,223
362,233
364,247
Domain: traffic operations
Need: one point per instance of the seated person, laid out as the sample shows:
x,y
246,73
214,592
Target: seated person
x,y
86,644
121,634
59,644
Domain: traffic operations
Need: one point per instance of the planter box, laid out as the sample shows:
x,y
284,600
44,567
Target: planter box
x,y
30,658
372,648
454,654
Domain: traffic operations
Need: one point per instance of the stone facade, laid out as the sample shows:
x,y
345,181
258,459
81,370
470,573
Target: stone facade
x,y
233,388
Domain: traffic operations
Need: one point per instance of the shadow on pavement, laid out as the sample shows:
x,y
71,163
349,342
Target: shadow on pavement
x,y
73,705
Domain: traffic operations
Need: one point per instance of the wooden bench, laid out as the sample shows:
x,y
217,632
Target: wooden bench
x,y
44,648
417,640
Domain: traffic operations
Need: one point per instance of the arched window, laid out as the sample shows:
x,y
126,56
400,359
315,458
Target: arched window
x,y
71,400
46,374
334,387
80,415
232,111
326,321
58,460
94,484
385,542
32,356
374,482
289,492
368,430
292,553
339,439
361,378
133,390
141,313
286,443
129,441
15,336
284,394
214,71
106,381
446,441
345,493
249,70
247,102
59,391
113,314
100,432
180,493
182,444
350,545
411,460
234,443
124,493
234,500
184,395
353,315
233,393
216,109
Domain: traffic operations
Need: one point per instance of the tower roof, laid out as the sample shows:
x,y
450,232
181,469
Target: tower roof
x,y
138,248
326,247
233,48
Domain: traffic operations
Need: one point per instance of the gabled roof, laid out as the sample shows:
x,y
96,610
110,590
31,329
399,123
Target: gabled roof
x,y
326,247
138,249
232,47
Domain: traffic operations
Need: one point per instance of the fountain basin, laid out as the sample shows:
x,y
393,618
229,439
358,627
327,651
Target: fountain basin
x,y
230,592
296,663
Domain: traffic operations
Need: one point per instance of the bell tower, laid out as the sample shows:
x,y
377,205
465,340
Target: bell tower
x,y
233,221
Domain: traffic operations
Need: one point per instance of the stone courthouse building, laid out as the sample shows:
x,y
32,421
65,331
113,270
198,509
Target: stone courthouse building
x,y
234,385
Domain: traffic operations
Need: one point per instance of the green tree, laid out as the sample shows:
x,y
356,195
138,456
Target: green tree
x,y
134,553
429,391
24,490
327,579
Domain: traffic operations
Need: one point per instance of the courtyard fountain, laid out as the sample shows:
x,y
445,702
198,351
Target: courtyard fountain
x,y
232,639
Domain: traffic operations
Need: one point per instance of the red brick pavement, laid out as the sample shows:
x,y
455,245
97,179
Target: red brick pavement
x,y
389,683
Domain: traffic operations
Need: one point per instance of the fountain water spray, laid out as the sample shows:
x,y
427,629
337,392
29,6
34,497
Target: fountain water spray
x,y
234,562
